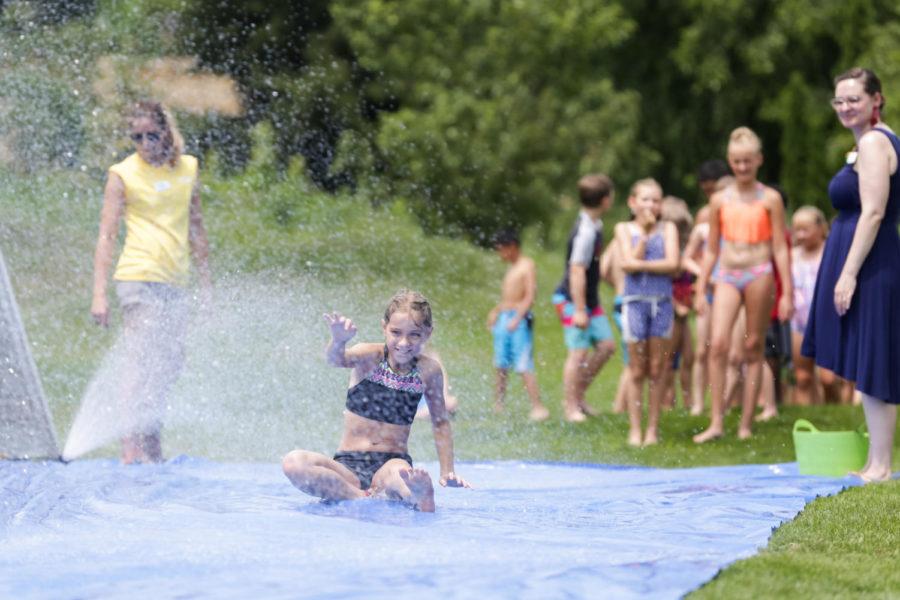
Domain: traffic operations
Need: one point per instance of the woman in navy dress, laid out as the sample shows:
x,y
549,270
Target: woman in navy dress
x,y
854,327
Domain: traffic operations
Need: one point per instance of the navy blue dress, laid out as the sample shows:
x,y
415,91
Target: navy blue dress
x,y
863,345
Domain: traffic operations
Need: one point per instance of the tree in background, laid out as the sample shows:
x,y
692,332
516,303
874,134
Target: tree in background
x,y
501,104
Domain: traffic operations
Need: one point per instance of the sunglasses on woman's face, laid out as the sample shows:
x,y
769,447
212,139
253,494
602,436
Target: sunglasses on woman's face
x,y
150,136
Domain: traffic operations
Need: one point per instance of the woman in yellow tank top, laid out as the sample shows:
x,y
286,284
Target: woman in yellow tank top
x,y
156,191
748,219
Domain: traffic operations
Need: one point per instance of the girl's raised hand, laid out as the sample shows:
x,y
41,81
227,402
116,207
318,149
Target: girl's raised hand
x,y
454,480
342,328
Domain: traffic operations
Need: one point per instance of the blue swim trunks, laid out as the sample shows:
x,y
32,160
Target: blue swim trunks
x,y
598,329
513,349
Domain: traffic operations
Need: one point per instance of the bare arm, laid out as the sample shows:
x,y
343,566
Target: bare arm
x,y
198,240
782,256
110,218
342,331
688,263
874,166
710,255
440,422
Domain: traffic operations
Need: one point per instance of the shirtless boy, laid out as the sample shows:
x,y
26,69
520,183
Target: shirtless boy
x,y
511,324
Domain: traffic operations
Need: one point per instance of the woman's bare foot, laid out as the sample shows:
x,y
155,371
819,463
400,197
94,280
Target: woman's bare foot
x,y
651,438
708,435
873,475
420,488
634,438
538,414
744,433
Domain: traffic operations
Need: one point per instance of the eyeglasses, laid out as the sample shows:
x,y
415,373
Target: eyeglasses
x,y
150,136
839,101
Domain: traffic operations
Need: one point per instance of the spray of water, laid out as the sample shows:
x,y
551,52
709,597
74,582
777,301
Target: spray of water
x,y
255,383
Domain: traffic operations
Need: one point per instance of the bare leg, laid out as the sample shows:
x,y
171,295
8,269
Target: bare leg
x,y
638,367
399,481
758,298
806,392
767,394
686,372
538,412
500,390
572,386
735,374
881,420
701,365
668,376
620,404
320,476
659,355
725,308
603,351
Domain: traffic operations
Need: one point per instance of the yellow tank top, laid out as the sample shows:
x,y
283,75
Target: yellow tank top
x,y
157,217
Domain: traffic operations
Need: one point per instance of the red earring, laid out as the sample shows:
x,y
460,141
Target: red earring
x,y
876,115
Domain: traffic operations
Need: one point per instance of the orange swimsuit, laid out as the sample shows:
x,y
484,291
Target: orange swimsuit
x,y
745,222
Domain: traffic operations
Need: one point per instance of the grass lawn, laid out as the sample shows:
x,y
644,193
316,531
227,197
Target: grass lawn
x,y
340,252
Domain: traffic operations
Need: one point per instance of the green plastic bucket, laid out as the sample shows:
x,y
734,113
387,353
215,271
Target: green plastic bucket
x,y
833,453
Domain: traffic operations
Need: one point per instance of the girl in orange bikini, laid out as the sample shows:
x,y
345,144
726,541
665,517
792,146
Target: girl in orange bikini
x,y
746,232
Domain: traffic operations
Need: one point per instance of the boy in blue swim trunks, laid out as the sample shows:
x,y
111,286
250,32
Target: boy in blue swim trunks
x,y
588,335
511,323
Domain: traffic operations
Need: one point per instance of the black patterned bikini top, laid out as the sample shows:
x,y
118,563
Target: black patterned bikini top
x,y
386,396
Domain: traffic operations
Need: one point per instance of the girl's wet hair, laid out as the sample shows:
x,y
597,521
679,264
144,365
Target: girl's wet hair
x,y
413,303
870,82
170,137
745,135
814,213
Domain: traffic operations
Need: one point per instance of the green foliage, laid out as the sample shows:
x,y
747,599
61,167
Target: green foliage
x,y
502,104
40,119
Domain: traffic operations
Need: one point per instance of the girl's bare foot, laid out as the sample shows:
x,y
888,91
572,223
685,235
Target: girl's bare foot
x,y
498,408
767,414
575,416
650,438
708,435
696,410
538,414
588,410
634,438
422,491
744,433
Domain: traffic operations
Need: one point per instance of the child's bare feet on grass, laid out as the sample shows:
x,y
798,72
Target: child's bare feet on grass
x,y
708,435
873,475
498,408
651,438
696,410
634,438
422,491
538,414
744,433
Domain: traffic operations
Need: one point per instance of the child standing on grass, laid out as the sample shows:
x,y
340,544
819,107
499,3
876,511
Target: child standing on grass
x,y
650,257
675,210
386,384
511,323
588,335
612,273
746,232
809,229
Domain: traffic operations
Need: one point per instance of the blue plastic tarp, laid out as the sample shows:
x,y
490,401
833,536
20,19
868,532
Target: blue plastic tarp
x,y
195,528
